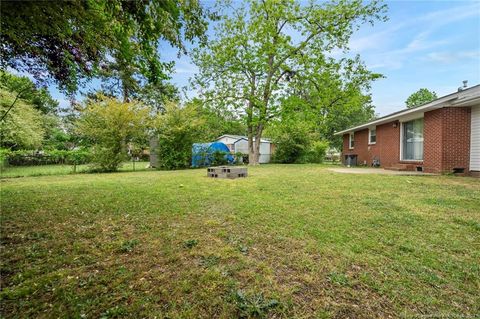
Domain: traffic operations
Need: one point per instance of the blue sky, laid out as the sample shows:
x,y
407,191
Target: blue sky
x,y
424,44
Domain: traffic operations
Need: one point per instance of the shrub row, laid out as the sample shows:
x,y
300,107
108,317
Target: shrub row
x,y
29,157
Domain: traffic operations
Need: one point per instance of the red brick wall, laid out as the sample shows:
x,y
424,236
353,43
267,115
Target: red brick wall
x,y
446,142
386,148
456,138
360,148
447,139
388,143
433,141
345,149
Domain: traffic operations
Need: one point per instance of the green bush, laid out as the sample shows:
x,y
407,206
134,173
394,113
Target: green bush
x,y
292,144
317,152
219,158
4,153
239,158
178,128
172,155
108,158
297,142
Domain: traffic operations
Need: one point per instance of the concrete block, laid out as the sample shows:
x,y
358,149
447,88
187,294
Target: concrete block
x,y
227,172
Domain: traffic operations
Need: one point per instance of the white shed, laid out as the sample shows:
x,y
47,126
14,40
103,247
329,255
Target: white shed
x,y
239,144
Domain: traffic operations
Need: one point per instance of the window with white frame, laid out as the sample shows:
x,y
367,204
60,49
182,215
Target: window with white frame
x,y
351,140
412,140
372,136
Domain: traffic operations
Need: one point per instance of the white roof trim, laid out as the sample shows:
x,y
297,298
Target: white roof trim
x,y
466,97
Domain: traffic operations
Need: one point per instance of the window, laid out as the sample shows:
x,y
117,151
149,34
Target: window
x,y
351,140
412,140
372,136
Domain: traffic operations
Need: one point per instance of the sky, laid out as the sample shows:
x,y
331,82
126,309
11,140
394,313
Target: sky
x,y
424,44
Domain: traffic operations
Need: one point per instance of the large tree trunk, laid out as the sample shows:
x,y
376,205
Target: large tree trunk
x,y
252,153
252,158
254,146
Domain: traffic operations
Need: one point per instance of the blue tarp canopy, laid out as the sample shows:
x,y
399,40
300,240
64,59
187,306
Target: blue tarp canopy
x,y
202,153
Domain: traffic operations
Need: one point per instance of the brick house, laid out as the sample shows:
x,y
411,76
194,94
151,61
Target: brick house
x,y
438,137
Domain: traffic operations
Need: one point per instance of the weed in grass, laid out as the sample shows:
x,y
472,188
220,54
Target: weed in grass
x,y
469,223
209,261
323,314
190,243
406,249
36,251
253,305
243,249
338,278
442,202
237,242
38,235
128,245
115,312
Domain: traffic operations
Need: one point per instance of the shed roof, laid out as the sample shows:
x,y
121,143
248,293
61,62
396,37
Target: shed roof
x,y
240,137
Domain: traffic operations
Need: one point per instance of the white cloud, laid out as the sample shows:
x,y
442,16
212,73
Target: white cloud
x,y
447,16
450,57
382,55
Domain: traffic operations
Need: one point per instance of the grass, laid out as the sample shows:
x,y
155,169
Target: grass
x,y
41,170
289,241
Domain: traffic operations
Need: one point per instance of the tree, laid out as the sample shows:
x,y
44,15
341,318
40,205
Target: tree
x,y
111,126
39,98
70,41
31,127
177,129
331,98
22,127
218,121
420,97
258,50
156,96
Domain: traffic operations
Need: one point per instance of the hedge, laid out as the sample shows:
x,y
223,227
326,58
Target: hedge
x,y
29,157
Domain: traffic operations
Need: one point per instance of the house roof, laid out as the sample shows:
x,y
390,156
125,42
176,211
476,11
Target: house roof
x,y
242,137
466,97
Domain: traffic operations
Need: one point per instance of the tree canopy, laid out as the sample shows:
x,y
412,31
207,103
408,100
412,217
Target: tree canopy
x,y
23,125
113,126
38,97
420,97
70,41
28,114
330,98
261,47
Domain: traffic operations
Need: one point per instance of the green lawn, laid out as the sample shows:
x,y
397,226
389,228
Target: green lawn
x,y
289,241
40,170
